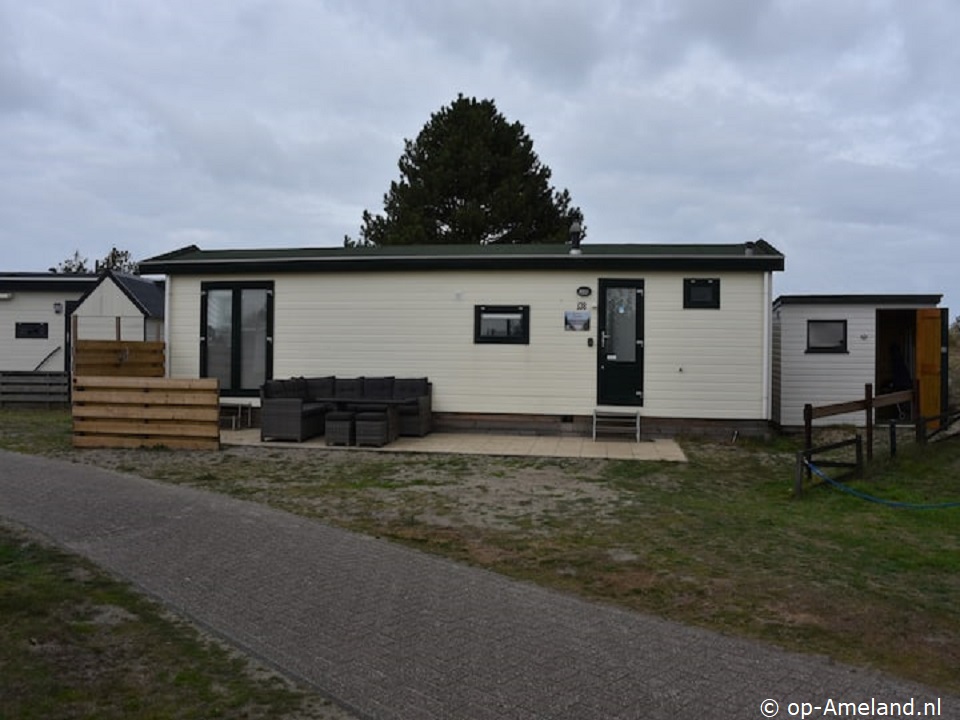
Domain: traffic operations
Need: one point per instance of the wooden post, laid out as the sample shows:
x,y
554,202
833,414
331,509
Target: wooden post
x,y
859,446
118,329
73,342
798,476
808,430
920,425
915,403
893,438
868,409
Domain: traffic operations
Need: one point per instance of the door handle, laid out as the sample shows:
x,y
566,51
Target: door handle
x,y
604,336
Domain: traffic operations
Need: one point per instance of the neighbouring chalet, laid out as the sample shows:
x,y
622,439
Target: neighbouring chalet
x,y
532,337
120,307
39,313
826,348
35,319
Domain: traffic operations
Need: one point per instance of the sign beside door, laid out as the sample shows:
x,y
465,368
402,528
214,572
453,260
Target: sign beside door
x,y
620,343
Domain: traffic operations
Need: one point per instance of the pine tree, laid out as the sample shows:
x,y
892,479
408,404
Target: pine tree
x,y
470,177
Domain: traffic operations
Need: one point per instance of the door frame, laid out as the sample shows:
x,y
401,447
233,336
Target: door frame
x,y
236,331
636,391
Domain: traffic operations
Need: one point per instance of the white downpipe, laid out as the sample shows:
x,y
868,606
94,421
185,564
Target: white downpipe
x,y
167,291
767,343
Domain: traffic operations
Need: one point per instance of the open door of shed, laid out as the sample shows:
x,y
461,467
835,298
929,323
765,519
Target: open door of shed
x,y
912,348
931,362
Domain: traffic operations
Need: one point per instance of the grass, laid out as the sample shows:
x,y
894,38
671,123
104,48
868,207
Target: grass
x,y
75,643
718,542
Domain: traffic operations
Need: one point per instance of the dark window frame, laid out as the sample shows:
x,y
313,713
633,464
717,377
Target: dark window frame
x,y
32,331
691,302
521,338
827,349
236,330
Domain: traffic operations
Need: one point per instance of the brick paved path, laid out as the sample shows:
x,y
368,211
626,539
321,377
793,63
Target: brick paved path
x,y
392,633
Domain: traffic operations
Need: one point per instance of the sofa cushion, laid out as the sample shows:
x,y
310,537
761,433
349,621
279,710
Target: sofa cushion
x,y
378,388
406,388
340,416
366,407
291,388
348,388
372,415
311,409
272,388
297,387
320,387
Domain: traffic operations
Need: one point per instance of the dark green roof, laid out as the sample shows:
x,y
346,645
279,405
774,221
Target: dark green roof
x,y
46,282
875,299
758,255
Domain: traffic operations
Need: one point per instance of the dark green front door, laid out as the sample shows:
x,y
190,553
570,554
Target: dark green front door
x,y
620,343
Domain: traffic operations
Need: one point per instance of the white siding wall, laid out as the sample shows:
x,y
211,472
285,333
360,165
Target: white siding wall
x,y
705,363
33,307
416,324
97,316
825,378
182,326
153,330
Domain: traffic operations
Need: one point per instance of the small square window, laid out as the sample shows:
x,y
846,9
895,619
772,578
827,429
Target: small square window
x,y
826,336
509,324
701,293
32,331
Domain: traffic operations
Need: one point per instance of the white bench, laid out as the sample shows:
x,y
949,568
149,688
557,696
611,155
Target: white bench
x,y
621,422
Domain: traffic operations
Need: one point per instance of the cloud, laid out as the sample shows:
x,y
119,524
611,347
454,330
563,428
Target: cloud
x,y
830,128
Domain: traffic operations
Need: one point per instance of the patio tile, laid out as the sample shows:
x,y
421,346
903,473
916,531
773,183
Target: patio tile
x,y
485,444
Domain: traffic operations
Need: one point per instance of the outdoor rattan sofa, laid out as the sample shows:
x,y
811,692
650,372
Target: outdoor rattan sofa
x,y
295,408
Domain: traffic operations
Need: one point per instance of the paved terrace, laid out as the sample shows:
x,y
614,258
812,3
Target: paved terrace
x,y
488,444
394,634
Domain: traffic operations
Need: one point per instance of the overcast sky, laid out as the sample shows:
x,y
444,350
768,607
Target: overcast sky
x,y
829,128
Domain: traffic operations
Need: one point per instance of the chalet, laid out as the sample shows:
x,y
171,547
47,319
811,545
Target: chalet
x,y
536,337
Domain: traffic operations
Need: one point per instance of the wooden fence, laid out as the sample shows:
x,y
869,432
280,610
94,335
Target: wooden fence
x,y
868,404
118,358
33,388
805,458
119,412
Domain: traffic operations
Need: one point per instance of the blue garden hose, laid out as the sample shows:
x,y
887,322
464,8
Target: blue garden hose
x,y
864,496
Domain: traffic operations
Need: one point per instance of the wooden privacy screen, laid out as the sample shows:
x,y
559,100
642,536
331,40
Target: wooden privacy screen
x,y
33,388
113,412
118,358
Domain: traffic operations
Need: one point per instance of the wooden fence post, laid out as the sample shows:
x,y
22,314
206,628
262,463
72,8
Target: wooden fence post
x,y
798,476
859,447
868,409
74,324
808,430
921,426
